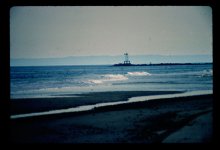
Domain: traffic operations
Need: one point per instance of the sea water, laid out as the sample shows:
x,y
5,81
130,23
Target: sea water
x,y
56,81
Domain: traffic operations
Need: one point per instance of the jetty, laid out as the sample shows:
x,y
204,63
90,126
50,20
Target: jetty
x,y
127,62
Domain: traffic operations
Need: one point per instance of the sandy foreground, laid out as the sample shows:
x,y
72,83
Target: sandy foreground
x,y
197,130
174,120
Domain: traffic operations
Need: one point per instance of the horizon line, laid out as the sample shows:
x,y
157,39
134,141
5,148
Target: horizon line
x,y
116,56
149,64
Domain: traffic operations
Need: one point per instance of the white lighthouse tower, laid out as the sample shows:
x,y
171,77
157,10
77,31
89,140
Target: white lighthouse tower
x,y
127,61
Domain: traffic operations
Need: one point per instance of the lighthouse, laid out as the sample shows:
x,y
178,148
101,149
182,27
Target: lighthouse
x,y
127,61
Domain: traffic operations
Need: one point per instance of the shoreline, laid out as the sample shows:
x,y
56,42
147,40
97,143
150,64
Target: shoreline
x,y
140,122
32,105
132,100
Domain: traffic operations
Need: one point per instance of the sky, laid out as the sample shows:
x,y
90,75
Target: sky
x,y
51,32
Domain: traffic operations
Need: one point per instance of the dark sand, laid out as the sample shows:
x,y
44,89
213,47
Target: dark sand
x,y
29,105
154,121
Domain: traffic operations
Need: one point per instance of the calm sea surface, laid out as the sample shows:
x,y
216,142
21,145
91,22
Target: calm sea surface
x,y
55,81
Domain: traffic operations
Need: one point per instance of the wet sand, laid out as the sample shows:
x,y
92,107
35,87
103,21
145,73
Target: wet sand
x,y
30,105
152,121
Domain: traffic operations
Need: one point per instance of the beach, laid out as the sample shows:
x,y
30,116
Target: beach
x,y
109,75
169,120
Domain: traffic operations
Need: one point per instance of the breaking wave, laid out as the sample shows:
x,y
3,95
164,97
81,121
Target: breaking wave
x,y
201,73
206,73
109,77
138,74
116,77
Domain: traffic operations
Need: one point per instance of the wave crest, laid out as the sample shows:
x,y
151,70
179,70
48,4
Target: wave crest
x,y
115,77
108,77
95,81
138,73
206,73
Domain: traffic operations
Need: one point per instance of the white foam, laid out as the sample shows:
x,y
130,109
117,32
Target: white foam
x,y
138,74
108,78
95,81
207,73
201,73
115,77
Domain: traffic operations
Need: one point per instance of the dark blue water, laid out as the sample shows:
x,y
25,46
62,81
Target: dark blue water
x,y
47,81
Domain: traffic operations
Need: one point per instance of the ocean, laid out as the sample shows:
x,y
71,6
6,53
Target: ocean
x,y
61,81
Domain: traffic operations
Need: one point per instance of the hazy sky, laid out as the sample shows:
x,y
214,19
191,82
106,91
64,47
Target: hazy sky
x,y
45,32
